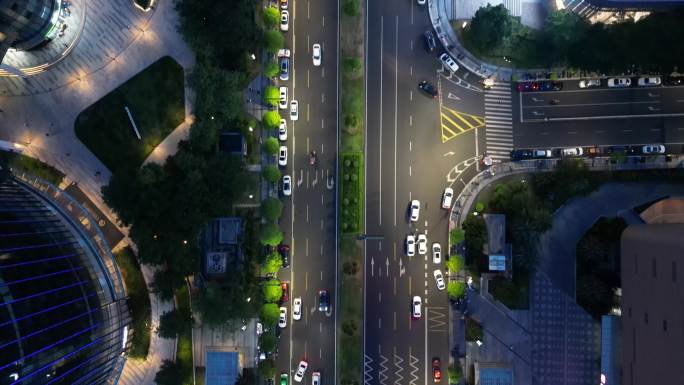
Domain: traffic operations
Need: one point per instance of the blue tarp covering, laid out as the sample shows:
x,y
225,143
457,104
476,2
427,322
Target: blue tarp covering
x,y
221,368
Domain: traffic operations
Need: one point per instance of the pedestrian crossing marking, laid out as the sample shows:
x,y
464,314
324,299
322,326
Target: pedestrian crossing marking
x,y
454,123
499,121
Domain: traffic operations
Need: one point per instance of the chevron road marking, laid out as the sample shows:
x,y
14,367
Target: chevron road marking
x,y
397,362
367,370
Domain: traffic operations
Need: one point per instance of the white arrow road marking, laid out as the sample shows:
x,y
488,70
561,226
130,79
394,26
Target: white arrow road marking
x,y
452,96
372,266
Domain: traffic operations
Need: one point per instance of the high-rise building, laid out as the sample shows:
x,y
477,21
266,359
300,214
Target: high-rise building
x,y
25,24
63,317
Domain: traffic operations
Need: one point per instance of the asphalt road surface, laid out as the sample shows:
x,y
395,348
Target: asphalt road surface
x,y
415,147
309,218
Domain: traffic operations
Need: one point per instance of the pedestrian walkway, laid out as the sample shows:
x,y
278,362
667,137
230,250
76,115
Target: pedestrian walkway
x,y
498,121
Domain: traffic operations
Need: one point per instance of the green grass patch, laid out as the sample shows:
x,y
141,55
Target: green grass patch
x,y
184,347
351,313
473,330
138,301
156,99
351,210
22,163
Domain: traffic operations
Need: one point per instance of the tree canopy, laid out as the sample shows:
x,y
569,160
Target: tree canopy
x,y
267,342
271,96
271,173
271,209
271,235
174,322
271,17
269,314
273,40
455,290
272,291
273,263
169,373
489,27
271,146
271,119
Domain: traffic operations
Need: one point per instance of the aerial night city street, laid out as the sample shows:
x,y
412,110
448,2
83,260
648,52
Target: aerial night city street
x,y
349,192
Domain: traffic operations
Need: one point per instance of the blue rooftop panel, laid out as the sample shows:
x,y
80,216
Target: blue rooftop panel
x,y
221,368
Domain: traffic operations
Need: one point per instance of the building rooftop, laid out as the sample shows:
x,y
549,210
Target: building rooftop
x,y
221,368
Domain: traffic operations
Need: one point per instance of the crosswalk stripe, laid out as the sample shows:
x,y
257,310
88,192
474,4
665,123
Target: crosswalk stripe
x,y
497,128
498,135
500,113
500,147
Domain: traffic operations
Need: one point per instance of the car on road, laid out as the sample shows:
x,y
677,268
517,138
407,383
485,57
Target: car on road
x,y
294,110
283,52
317,54
284,251
422,244
283,378
647,81
448,62
297,308
410,245
436,370
674,80
653,149
286,292
316,378
282,156
447,197
282,130
617,150
430,44
301,370
284,20
439,279
283,4
287,185
420,2
414,210
572,151
323,301
528,86
436,253
282,317
521,154
619,82
588,83
312,157
542,154
282,103
284,68
416,304
550,86
593,151
428,89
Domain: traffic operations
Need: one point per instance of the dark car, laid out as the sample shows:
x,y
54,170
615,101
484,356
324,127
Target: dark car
x,y
618,150
521,154
323,301
674,80
430,44
284,251
428,88
550,86
528,86
284,68
436,369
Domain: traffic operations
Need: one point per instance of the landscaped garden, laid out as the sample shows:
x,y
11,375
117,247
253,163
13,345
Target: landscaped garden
x,y
138,302
22,163
156,100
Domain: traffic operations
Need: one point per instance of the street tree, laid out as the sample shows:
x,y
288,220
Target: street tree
x,y
489,27
273,40
271,95
174,322
271,235
267,342
271,69
271,290
271,208
455,290
269,314
271,17
273,263
564,29
456,236
271,173
271,119
455,263
271,146
455,373
169,373
267,368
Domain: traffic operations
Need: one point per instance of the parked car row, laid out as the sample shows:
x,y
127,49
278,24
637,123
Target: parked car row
x,y
525,154
614,82
540,86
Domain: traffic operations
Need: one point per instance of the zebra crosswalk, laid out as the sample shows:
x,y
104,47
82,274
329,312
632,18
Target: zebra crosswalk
x,y
498,121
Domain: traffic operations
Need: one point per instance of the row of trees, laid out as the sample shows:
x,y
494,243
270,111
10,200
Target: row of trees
x,y
650,44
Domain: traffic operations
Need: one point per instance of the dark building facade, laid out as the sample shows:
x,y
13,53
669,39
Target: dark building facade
x,y
61,318
25,24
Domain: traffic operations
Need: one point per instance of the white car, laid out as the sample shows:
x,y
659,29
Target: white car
x,y
283,52
572,151
282,104
416,304
588,83
448,62
297,309
282,156
282,318
542,154
422,244
447,197
439,279
301,369
287,185
646,81
436,253
282,130
316,378
415,210
619,82
653,149
284,20
294,110
421,2
317,54
410,245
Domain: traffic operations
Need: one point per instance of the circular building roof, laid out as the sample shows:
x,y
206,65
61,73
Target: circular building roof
x,y
24,23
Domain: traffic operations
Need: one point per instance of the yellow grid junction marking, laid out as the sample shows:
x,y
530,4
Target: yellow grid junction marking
x,y
455,123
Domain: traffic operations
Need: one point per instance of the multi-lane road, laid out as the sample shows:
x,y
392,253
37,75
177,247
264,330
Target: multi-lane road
x,y
309,219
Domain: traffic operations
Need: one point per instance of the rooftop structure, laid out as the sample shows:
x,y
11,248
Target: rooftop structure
x,y
221,246
498,251
222,368
652,294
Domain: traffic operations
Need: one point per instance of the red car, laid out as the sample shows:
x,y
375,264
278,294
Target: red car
x,y
286,292
436,370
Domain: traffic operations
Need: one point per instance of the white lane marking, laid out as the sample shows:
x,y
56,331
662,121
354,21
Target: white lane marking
x,y
382,24
410,171
396,85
